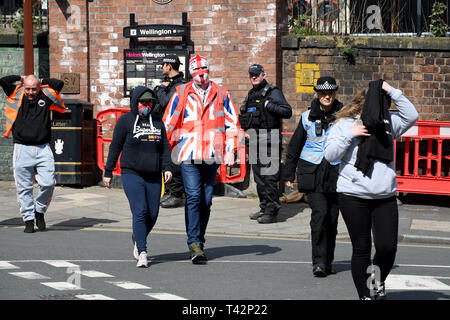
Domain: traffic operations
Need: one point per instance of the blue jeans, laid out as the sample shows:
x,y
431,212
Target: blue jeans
x,y
199,186
143,195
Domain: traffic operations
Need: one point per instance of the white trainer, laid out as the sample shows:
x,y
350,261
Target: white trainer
x,y
142,261
135,249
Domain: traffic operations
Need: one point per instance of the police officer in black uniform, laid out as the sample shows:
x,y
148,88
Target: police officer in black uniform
x,y
260,116
173,197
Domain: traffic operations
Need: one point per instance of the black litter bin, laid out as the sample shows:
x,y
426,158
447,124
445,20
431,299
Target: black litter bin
x,y
73,144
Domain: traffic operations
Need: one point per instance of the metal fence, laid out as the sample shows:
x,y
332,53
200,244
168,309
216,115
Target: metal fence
x,y
361,17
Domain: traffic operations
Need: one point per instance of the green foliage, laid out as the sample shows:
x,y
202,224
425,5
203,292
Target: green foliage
x,y
302,26
438,27
18,21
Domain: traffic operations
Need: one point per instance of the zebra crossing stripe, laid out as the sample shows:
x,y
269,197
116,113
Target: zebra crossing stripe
x,y
29,275
6,265
60,263
413,282
128,285
93,297
95,274
164,296
61,285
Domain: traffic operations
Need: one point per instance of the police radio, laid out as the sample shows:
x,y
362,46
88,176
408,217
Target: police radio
x,y
318,127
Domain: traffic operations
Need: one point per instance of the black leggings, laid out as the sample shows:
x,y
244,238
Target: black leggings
x,y
361,216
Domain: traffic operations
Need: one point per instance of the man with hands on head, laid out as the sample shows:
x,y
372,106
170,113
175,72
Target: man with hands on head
x,y
28,108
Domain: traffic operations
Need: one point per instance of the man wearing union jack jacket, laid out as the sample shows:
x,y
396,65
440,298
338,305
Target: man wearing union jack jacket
x,y
202,127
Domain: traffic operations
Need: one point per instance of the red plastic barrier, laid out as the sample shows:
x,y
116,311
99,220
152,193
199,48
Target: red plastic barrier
x,y
225,175
425,168
106,121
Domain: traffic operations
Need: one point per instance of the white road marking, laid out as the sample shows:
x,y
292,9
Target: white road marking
x,y
61,286
60,263
413,282
66,263
128,285
164,296
6,265
29,275
432,225
93,297
95,274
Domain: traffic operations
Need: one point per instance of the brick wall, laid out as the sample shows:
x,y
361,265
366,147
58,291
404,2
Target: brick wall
x,y
231,34
418,66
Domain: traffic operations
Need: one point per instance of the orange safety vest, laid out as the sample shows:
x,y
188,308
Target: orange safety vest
x,y
14,102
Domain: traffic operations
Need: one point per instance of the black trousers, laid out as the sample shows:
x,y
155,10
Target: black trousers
x,y
175,186
267,188
324,221
361,217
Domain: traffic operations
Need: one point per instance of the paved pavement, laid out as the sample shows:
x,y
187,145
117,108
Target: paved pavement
x,y
422,218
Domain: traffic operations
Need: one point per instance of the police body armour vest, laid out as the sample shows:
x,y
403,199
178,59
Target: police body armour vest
x,y
256,114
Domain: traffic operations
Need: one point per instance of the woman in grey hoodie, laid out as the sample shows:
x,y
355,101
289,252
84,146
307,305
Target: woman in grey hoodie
x,y
368,202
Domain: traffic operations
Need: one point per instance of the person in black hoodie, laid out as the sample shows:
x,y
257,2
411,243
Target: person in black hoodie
x,y
173,197
142,139
316,176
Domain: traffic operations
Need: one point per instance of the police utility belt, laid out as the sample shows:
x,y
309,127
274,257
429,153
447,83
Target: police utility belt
x,y
254,114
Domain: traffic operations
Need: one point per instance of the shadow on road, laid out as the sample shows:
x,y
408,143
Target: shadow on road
x,y
417,295
72,224
219,252
12,222
289,210
80,223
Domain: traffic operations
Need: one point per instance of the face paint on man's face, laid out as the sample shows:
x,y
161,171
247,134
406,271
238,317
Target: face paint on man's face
x,y
199,70
201,77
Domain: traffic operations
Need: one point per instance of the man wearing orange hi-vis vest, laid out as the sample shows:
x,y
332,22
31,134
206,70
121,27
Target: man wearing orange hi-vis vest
x,y
28,109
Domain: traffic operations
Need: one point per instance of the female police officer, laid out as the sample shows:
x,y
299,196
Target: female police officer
x,y
316,176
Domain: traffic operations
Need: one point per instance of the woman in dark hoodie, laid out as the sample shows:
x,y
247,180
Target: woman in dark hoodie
x,y
142,139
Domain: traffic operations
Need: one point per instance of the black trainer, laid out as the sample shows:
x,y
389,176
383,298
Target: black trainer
x,y
267,218
256,215
40,222
29,226
164,198
381,292
319,272
172,202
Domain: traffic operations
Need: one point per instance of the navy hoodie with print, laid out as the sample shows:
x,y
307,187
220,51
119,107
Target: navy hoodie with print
x,y
142,141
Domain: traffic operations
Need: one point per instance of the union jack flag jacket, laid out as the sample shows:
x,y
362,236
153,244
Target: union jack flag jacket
x,y
201,128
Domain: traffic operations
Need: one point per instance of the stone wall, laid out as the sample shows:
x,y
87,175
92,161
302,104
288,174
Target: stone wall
x,y
418,66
